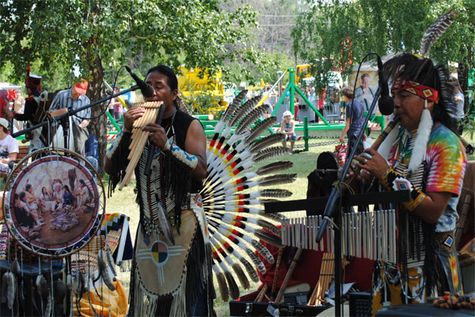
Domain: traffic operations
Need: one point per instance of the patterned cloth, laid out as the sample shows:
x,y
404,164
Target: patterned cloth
x,y
446,156
446,162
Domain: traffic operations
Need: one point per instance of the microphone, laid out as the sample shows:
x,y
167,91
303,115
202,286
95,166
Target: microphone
x,y
385,102
146,89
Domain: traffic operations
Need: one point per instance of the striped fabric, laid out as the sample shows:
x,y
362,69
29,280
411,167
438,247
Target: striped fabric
x,y
63,99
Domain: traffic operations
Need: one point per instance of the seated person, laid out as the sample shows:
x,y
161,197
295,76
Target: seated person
x,y
8,147
288,128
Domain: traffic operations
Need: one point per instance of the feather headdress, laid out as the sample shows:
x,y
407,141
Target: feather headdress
x,y
435,31
421,69
235,190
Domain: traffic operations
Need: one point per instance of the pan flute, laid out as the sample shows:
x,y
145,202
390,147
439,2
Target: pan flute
x,y
139,137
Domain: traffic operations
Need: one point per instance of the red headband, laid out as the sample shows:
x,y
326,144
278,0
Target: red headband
x,y
423,91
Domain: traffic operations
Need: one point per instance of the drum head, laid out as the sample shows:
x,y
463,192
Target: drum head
x,y
54,205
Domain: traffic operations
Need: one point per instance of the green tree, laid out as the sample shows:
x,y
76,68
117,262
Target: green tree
x,y
98,36
337,34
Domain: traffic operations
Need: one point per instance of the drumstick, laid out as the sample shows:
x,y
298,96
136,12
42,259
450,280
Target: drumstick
x,y
287,277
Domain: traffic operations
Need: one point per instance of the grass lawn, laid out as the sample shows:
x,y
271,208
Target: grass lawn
x,y
124,201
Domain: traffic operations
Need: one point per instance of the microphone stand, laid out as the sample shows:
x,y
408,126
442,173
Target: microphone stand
x,y
64,122
72,112
333,202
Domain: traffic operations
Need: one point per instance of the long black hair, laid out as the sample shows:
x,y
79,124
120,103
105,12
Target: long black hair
x,y
167,71
424,71
175,177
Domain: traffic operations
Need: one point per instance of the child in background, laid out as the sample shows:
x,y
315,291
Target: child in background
x,y
288,128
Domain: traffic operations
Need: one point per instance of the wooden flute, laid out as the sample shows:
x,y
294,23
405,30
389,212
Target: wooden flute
x,y
140,137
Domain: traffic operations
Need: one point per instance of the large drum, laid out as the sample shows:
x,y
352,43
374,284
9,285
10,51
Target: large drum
x,y
53,202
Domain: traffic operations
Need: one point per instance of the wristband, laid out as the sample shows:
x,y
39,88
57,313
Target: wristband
x,y
189,160
394,181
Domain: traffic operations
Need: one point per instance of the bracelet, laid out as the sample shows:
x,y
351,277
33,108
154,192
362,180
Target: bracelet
x,y
189,160
168,144
394,181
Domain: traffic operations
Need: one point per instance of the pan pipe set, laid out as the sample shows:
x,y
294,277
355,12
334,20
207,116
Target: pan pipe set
x,y
140,137
370,235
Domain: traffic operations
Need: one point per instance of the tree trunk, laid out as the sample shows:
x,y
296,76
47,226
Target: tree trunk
x,y
97,126
462,74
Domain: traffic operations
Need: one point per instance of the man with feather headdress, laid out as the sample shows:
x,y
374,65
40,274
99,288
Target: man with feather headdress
x,y
424,155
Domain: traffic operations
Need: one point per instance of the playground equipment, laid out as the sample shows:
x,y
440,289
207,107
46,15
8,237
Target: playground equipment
x,y
292,88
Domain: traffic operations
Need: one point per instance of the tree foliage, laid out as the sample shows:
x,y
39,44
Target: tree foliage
x,y
384,27
98,36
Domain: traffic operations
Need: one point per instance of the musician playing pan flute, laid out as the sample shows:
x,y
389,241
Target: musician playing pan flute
x,y
424,155
171,270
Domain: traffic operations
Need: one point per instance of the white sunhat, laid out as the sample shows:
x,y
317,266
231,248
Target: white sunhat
x,y
4,123
287,113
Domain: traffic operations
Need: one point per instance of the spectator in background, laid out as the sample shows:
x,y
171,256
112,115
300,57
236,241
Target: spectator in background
x,y
312,97
8,147
354,120
287,127
33,106
365,94
75,98
6,97
116,106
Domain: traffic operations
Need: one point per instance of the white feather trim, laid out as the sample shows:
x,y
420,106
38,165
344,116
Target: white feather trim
x,y
389,142
422,137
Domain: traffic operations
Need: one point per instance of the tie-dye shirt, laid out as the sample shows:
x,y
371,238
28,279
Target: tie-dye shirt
x,y
446,162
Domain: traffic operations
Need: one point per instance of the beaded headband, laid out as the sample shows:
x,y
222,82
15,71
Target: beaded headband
x,y
423,91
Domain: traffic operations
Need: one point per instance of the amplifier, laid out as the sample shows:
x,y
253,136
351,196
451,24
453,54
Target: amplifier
x,y
272,309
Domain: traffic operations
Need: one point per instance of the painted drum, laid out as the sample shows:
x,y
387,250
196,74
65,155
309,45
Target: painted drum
x,y
53,202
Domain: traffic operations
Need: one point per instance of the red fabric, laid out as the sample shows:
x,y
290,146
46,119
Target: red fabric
x,y
3,102
321,98
307,270
11,94
341,153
